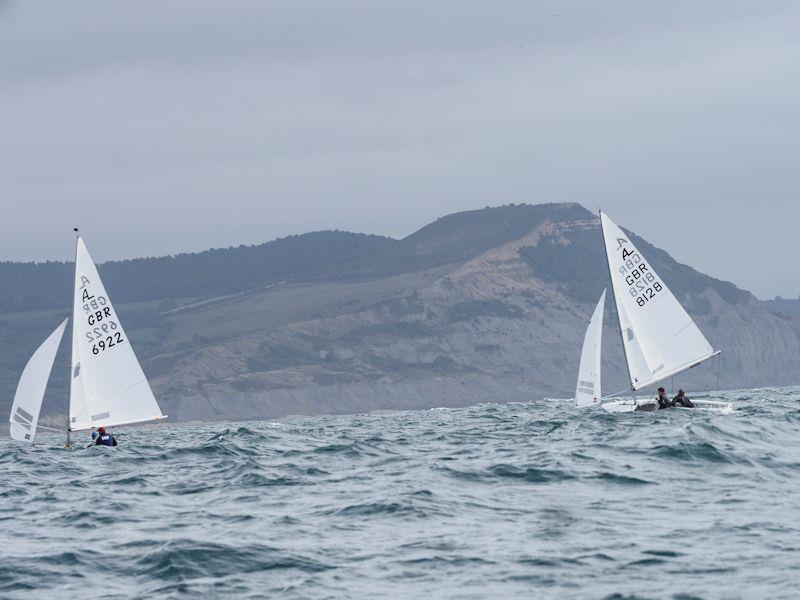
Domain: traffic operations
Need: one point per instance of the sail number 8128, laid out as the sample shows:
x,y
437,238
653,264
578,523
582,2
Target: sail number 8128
x,y
648,294
643,283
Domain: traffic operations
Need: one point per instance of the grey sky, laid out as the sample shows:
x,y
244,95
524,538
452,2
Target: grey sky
x,y
180,125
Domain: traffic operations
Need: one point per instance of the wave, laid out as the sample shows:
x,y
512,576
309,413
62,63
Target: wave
x,y
187,559
687,451
531,499
506,471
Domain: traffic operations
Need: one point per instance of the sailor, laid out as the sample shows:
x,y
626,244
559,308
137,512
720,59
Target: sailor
x,y
104,439
663,401
682,400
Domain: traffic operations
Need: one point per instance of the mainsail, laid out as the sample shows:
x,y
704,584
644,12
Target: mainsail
x,y
108,385
588,390
31,387
659,337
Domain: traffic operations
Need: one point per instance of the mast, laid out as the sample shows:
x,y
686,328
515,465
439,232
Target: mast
x,y
616,305
72,345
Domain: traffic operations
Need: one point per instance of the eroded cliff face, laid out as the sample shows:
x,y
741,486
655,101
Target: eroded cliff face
x,y
487,305
505,324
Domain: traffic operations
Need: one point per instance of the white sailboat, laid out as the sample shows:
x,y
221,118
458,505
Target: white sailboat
x,y
107,384
659,337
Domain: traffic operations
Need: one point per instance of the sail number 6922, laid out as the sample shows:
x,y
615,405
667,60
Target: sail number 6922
x,y
109,342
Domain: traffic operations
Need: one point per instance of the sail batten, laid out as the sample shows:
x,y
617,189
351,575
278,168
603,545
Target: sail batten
x,y
659,337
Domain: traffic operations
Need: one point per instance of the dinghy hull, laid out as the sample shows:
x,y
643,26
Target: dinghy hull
x,y
724,408
648,405
630,405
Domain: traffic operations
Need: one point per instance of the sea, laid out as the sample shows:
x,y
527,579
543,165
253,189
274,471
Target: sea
x,y
519,500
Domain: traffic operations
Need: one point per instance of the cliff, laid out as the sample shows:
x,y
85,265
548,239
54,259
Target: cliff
x,y
487,305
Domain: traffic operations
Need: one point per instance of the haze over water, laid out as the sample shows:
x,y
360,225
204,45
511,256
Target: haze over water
x,y
535,499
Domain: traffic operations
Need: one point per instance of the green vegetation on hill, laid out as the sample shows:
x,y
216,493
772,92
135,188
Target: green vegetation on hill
x,y
583,272
789,307
332,255
37,286
460,236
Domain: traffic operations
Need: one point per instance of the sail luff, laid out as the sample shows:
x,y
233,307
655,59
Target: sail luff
x,y
72,391
616,301
77,398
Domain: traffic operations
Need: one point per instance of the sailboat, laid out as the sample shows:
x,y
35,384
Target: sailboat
x,y
107,385
659,338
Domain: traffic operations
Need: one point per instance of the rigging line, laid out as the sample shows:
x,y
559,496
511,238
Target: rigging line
x,y
625,391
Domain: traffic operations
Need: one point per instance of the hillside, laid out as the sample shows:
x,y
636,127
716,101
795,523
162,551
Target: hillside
x,y
34,286
487,305
784,306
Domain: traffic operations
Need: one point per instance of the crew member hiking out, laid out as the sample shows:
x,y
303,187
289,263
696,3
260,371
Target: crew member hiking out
x,y
663,401
682,400
104,439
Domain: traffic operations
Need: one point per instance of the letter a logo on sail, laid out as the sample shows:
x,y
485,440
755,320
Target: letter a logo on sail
x,y
621,241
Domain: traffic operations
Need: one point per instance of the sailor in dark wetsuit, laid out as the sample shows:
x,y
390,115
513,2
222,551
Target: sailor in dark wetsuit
x,y
104,439
663,401
682,400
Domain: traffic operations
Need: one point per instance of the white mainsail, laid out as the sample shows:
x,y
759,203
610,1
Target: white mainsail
x,y
659,337
108,384
31,387
588,390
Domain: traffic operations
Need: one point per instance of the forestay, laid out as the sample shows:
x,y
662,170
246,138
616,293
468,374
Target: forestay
x,y
588,391
108,384
659,336
31,387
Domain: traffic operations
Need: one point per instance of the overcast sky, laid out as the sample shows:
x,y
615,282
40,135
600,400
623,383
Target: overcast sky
x,y
170,126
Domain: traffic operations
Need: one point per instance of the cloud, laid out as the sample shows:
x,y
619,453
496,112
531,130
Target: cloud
x,y
181,125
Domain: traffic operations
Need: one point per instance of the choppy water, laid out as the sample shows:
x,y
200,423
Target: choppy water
x,y
532,499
